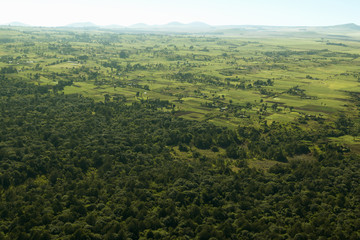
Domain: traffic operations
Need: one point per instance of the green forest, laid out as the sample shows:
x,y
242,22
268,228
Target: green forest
x,y
87,152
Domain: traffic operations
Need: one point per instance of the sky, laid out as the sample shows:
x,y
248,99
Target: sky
x,y
213,12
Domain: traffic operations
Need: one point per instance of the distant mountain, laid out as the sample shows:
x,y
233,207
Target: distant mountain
x,y
183,25
195,27
173,24
139,25
82,25
113,26
301,31
199,24
201,27
349,26
18,24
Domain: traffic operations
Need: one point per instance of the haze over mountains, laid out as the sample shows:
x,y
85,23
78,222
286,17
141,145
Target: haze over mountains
x,y
17,24
201,27
137,25
171,25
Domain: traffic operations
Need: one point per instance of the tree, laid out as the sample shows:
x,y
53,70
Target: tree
x,y
123,54
274,107
280,156
107,98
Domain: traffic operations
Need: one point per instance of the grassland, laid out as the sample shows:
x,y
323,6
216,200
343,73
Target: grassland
x,y
229,80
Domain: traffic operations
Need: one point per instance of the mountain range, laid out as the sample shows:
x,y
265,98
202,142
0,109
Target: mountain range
x,y
203,27
171,25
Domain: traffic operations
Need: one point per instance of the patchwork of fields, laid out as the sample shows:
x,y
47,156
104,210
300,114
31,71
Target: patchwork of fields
x,y
228,80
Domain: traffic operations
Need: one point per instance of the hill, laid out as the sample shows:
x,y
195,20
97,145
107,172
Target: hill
x,y
82,25
17,24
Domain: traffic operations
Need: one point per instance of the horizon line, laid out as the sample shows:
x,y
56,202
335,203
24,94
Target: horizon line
x,y
92,24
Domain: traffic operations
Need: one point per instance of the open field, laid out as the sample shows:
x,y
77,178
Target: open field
x,y
223,79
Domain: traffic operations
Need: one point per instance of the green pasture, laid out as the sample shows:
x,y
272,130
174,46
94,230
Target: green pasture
x,y
193,71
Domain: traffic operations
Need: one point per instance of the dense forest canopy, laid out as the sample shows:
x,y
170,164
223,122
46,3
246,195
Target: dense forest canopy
x,y
120,165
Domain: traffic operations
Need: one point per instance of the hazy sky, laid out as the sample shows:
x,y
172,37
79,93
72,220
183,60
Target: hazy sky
x,y
214,12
